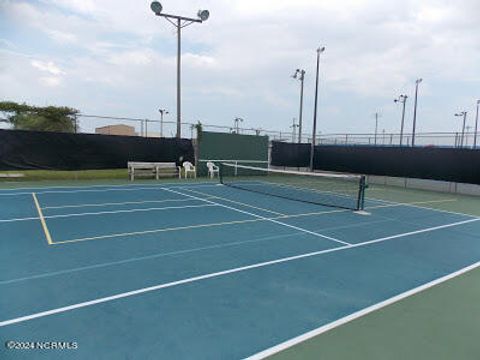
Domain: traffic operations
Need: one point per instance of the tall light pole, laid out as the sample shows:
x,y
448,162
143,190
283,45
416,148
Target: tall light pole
x,y
300,75
377,115
466,134
179,22
236,124
162,113
314,132
402,99
294,127
476,127
464,115
418,81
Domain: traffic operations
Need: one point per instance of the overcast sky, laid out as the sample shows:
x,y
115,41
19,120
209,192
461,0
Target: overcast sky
x,y
116,58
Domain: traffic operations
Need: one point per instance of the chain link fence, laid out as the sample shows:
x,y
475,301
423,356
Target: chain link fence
x,y
145,127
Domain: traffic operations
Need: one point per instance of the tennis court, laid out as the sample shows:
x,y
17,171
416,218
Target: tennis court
x,y
207,271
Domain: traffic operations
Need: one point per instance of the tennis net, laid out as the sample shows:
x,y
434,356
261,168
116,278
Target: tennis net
x,y
328,189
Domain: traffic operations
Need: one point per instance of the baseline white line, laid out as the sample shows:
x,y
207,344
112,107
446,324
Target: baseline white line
x,y
313,333
263,218
217,274
209,196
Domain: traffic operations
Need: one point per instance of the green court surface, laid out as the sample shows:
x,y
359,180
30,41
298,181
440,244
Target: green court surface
x,y
182,270
437,323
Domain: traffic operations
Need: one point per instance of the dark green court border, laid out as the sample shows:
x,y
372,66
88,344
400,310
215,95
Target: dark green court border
x,y
441,323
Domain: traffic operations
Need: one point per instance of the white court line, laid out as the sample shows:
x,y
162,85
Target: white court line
x,y
306,336
188,227
96,188
391,204
217,274
262,217
157,255
209,196
414,204
113,204
59,216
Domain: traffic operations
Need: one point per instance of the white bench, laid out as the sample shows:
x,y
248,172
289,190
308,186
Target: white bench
x,y
157,169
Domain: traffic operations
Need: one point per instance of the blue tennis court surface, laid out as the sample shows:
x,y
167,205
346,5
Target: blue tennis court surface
x,y
205,271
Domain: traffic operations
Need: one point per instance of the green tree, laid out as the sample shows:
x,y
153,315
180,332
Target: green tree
x,y
48,118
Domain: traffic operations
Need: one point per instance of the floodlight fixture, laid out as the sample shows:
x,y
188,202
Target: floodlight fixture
x,y
203,15
156,7
179,22
300,75
402,99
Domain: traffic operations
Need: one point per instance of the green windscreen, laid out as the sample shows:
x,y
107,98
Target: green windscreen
x,y
250,150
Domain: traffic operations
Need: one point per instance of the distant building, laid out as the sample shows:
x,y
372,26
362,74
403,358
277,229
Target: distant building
x,y
118,129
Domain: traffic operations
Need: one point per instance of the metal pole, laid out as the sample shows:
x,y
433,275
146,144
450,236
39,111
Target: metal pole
x,y
161,123
179,106
294,130
146,127
300,119
463,127
376,128
418,81
314,132
476,127
403,119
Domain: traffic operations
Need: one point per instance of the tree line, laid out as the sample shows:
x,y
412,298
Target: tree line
x,y
38,118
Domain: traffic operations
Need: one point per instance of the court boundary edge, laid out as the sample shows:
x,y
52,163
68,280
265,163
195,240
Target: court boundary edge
x,y
356,315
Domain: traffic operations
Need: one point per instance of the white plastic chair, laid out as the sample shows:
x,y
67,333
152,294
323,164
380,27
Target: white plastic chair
x,y
189,168
212,169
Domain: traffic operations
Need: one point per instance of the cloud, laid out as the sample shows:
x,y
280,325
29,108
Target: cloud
x,y
51,81
240,60
47,66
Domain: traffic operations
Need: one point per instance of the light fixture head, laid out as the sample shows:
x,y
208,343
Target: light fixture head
x,y
321,49
156,7
203,15
419,81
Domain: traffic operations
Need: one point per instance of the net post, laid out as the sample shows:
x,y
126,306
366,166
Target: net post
x,y
361,193
220,172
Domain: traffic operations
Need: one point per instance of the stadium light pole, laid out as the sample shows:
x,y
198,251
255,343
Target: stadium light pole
x,y
162,113
377,115
402,99
476,127
294,127
300,75
179,22
314,132
418,81
464,115
236,124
